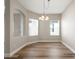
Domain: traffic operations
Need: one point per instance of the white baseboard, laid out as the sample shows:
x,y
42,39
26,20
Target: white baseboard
x,y
50,40
15,51
68,46
12,53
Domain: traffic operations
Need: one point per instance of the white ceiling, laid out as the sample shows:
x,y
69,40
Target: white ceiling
x,y
53,7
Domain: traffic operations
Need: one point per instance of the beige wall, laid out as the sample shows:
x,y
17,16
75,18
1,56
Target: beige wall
x,y
18,41
45,28
34,16
68,26
12,42
15,42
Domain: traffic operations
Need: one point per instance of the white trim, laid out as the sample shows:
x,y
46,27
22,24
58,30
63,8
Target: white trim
x,y
15,51
12,53
68,46
50,40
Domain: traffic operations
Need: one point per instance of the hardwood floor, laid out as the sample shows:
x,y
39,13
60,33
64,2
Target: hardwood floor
x,y
44,51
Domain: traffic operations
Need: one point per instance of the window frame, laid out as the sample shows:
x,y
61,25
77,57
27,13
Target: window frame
x,y
37,30
59,28
21,23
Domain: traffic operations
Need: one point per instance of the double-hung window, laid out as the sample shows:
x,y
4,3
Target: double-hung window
x,y
54,27
33,27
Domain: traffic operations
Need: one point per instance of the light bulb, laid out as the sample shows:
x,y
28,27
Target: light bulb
x,y
43,17
47,18
39,18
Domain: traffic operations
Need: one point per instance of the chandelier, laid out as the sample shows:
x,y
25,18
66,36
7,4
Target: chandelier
x,y
44,16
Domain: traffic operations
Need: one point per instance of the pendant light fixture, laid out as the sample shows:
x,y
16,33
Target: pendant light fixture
x,y
44,16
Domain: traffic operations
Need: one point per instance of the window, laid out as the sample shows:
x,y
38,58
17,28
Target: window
x,y
54,27
33,27
18,24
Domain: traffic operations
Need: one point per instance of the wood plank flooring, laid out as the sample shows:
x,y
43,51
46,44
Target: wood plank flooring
x,y
44,51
